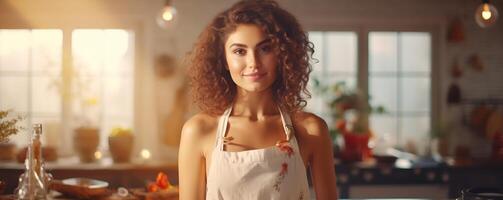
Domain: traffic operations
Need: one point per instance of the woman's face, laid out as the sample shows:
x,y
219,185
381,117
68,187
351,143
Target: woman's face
x,y
251,58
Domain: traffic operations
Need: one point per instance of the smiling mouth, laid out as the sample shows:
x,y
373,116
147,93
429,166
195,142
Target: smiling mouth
x,y
254,76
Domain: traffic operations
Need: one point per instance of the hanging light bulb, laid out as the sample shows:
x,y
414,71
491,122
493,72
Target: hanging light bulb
x,y
167,17
486,14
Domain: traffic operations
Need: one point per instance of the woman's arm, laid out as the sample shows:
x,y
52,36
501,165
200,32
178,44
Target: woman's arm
x,y
322,160
191,162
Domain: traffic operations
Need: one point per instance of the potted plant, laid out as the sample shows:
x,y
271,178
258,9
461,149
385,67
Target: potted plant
x,y
86,136
439,143
86,113
120,143
350,110
8,127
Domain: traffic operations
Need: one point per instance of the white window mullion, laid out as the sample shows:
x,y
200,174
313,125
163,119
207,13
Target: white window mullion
x,y
30,84
66,88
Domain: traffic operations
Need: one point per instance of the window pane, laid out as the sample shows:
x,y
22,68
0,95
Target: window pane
x,y
87,101
383,51
384,126
52,129
89,51
14,50
31,65
383,92
414,133
119,52
316,103
341,55
393,59
350,81
415,94
47,51
22,137
103,86
317,39
14,93
46,95
319,102
115,89
415,52
337,55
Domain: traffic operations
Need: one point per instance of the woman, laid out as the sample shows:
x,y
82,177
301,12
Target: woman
x,y
249,72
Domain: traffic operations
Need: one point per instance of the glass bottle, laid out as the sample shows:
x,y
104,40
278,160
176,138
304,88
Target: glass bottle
x,y
33,183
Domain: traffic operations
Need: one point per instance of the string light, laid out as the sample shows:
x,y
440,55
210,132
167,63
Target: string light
x,y
145,154
486,14
167,17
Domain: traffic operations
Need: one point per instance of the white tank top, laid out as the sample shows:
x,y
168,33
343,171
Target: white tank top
x,y
276,172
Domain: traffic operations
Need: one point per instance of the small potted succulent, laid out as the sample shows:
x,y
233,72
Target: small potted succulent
x,y
120,143
87,134
86,140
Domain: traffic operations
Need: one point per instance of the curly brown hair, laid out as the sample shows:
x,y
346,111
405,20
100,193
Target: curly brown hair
x,y
213,89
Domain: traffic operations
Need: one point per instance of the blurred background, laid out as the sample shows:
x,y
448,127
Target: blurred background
x,y
412,84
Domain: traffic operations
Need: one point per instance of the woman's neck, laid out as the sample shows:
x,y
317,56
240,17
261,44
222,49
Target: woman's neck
x,y
254,105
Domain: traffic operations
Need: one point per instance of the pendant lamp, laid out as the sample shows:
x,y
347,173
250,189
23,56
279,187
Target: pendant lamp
x,y
167,17
486,14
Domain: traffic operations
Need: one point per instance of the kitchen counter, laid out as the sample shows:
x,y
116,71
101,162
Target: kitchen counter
x,y
437,179
130,175
358,180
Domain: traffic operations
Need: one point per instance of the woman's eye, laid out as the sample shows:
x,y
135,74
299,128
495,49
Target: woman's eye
x,y
239,51
266,49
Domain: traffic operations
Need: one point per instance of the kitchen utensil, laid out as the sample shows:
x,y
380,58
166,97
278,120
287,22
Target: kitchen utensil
x,y
84,188
453,94
482,194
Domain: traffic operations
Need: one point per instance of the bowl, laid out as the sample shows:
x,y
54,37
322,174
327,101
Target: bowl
x,y
84,188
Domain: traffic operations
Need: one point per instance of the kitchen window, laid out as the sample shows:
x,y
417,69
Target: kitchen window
x,y
65,80
393,67
336,61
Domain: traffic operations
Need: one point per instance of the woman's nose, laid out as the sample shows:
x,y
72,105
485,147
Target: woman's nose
x,y
253,60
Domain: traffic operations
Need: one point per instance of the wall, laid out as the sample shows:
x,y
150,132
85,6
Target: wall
x,y
314,14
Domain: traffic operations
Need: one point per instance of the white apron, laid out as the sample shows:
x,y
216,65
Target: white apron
x,y
276,172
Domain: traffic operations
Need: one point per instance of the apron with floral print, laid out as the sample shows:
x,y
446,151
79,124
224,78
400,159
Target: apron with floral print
x,y
276,172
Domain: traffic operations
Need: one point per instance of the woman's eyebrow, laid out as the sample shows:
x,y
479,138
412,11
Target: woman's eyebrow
x,y
265,41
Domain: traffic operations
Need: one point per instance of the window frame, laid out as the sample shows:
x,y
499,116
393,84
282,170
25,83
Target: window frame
x,y
363,27
67,25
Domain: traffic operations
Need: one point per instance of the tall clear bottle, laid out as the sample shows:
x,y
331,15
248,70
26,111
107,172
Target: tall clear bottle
x,y
33,183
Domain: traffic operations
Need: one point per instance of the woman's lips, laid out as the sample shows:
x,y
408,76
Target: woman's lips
x,y
254,76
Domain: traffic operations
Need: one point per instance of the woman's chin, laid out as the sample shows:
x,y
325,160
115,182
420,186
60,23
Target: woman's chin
x,y
255,88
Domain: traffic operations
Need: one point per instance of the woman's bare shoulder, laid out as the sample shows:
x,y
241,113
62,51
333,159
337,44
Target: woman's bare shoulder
x,y
200,125
310,124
